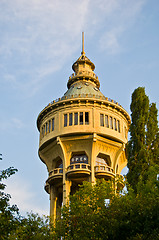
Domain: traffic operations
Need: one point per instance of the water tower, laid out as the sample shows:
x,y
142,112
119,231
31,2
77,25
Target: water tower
x,y
82,135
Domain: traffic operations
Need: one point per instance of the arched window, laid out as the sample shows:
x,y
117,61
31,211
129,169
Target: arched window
x,y
79,158
59,164
103,159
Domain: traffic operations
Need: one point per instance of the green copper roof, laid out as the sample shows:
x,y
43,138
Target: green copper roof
x,y
83,87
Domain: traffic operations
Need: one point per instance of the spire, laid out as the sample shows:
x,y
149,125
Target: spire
x,y
82,53
84,69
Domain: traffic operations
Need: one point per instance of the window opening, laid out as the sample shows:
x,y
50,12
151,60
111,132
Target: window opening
x,y
103,159
49,126
70,119
86,117
53,123
76,118
106,121
42,132
111,122
65,120
118,124
115,126
102,120
46,127
79,159
81,118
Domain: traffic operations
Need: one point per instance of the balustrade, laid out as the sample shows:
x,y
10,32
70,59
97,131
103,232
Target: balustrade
x,y
56,171
78,166
103,168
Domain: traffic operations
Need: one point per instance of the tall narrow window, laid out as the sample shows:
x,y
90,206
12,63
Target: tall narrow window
x,y
111,122
102,120
118,125
70,119
42,132
76,118
86,118
46,128
53,124
106,121
49,126
81,118
125,132
65,120
115,126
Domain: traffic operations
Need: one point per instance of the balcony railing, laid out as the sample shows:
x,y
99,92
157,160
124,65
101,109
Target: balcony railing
x,y
104,171
78,166
55,172
88,73
103,168
78,169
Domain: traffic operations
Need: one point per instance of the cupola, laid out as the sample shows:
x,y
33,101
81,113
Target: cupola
x,y
83,70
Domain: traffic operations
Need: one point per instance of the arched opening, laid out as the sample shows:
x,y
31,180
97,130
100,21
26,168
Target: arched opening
x,y
57,166
103,167
103,159
79,157
79,167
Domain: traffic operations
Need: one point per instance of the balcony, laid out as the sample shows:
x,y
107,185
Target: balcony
x,y
120,181
55,176
78,170
47,187
104,171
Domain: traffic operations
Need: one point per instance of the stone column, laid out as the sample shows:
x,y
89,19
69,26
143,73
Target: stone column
x,y
93,159
66,191
53,202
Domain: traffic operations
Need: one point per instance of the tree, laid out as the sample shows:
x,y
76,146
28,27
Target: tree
x,y
152,135
83,216
15,227
32,227
143,146
137,156
128,216
8,214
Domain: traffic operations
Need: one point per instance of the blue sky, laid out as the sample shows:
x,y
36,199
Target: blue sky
x,y
39,41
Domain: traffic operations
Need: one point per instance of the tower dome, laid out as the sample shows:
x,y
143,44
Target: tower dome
x,y
82,135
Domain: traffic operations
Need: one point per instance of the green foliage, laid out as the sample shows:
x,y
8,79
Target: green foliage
x,y
143,146
32,227
83,217
15,227
128,216
8,214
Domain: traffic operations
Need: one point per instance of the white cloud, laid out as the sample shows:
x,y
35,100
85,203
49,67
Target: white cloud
x,y
23,196
40,35
110,41
123,15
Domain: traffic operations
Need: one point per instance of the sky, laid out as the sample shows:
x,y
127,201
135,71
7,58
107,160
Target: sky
x,y
39,42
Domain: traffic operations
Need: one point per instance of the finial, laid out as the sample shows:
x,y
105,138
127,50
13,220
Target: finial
x,y
82,53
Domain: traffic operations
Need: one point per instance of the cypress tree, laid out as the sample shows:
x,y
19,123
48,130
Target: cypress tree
x,y
137,154
143,146
152,135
